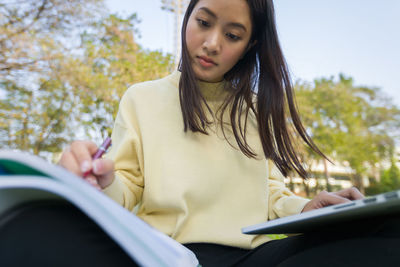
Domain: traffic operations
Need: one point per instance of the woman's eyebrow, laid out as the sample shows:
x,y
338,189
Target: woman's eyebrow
x,y
208,11
232,24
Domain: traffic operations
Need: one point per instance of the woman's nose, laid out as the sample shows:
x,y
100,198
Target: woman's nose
x,y
212,44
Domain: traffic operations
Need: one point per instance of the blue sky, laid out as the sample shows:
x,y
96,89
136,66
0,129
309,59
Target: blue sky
x,y
360,38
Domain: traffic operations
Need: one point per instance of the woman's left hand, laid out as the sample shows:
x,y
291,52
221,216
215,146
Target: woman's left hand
x,y
325,198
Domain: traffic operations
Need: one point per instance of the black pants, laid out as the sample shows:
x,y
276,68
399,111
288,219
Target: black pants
x,y
56,234
374,242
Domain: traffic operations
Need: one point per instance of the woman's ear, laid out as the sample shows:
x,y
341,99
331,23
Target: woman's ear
x,y
249,46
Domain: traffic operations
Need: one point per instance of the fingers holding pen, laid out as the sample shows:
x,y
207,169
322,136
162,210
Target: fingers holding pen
x,y
84,159
77,158
83,151
69,162
103,169
91,179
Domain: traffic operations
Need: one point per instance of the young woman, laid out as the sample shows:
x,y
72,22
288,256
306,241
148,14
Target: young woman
x,y
203,151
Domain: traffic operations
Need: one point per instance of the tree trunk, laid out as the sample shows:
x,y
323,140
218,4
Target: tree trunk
x,y
326,172
306,188
376,173
358,182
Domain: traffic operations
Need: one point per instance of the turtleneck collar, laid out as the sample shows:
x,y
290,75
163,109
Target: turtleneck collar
x,y
211,91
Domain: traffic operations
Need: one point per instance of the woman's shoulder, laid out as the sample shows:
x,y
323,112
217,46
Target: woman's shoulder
x,y
164,90
164,84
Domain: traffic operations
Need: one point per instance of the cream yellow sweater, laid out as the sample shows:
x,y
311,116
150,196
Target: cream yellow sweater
x,y
191,186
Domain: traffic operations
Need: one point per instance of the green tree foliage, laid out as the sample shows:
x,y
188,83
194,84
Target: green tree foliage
x,y
34,35
32,32
349,123
390,180
110,63
63,68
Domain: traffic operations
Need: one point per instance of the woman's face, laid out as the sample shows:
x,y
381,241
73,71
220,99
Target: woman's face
x,y
217,36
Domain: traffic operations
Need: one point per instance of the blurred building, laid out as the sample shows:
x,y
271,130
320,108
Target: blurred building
x,y
339,177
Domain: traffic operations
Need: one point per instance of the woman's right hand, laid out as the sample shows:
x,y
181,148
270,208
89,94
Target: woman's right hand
x,y
77,158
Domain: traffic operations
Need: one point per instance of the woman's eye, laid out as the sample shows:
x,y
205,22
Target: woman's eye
x,y
203,23
233,37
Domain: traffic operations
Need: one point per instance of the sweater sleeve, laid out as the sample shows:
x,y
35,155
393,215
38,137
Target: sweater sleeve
x,y
282,202
126,152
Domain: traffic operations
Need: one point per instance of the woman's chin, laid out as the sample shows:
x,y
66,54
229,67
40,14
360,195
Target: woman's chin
x,y
208,76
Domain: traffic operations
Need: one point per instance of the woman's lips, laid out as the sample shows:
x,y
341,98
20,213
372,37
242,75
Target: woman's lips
x,y
206,62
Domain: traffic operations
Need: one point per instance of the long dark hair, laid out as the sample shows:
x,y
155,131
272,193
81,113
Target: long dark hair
x,y
261,75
